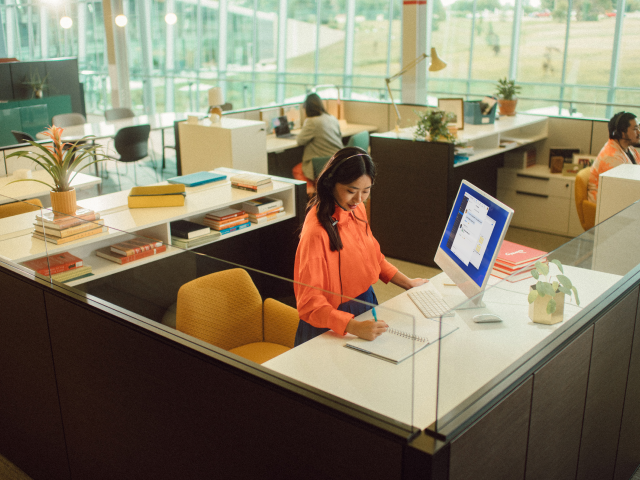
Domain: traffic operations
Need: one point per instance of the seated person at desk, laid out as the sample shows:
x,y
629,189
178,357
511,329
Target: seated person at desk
x,y
320,136
338,253
623,134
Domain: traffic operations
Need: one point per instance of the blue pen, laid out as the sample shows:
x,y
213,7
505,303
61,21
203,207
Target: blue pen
x,y
375,317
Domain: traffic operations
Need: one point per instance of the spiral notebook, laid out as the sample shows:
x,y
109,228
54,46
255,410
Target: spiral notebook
x,y
401,341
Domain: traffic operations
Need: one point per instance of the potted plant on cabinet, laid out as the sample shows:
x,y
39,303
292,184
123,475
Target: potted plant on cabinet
x,y
37,84
60,160
507,91
546,297
432,126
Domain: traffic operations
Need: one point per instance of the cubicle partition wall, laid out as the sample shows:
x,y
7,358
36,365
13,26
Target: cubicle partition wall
x,y
93,389
101,380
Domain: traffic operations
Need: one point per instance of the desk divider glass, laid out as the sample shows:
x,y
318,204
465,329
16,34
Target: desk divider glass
x,y
223,307
476,359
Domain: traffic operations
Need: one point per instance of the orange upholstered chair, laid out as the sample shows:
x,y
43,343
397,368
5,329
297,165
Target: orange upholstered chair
x,y
226,310
586,209
16,208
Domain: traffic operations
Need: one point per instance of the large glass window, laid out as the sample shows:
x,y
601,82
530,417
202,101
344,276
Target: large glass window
x,y
564,55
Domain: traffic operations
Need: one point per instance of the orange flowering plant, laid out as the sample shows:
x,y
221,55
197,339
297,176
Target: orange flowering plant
x,y
59,159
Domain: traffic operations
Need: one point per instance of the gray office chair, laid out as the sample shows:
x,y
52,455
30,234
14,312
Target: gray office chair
x,y
118,113
22,137
69,119
132,144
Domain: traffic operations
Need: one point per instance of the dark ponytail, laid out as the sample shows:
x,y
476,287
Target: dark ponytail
x,y
346,166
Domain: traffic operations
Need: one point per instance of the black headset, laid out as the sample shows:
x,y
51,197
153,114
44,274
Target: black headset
x,y
327,180
615,133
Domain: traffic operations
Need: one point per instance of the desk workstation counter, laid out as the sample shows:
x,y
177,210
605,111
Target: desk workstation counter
x,y
100,384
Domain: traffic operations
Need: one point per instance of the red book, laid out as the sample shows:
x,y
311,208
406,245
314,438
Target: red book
x,y
514,256
135,245
122,259
58,263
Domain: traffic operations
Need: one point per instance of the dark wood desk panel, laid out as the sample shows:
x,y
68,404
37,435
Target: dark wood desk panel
x,y
412,196
414,193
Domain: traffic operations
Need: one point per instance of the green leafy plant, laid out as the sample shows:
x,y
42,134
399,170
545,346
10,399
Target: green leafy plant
x,y
549,286
434,124
507,89
59,159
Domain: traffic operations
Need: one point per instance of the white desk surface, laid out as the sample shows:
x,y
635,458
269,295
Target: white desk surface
x,y
26,190
617,189
275,144
469,358
107,129
482,136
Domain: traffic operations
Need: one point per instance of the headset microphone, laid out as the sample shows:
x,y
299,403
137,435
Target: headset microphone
x,y
335,222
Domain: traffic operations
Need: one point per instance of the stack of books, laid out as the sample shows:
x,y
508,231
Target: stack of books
x,y
227,220
62,267
157,196
187,234
131,250
267,215
515,262
251,182
264,209
60,229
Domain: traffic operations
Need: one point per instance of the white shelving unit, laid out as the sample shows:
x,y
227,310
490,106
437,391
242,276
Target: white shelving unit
x,y
126,223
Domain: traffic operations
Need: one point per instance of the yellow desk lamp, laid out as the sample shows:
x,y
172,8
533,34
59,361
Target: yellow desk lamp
x,y
436,65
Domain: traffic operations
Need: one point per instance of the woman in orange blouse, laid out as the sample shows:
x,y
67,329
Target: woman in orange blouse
x,y
337,253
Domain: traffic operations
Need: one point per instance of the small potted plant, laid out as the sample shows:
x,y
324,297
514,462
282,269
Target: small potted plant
x,y
507,91
432,126
37,84
546,297
60,160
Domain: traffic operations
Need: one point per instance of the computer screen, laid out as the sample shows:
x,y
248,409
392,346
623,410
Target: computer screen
x,y
472,238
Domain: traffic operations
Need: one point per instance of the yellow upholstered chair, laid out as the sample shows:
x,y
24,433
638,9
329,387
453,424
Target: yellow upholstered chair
x,y
586,209
226,310
16,208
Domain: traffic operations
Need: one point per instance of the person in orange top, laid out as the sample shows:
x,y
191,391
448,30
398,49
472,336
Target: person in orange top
x,y
623,135
338,253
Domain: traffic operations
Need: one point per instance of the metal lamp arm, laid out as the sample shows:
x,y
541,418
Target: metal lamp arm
x,y
406,68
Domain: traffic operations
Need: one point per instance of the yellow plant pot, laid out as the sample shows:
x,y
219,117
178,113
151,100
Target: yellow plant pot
x,y
538,309
507,107
64,203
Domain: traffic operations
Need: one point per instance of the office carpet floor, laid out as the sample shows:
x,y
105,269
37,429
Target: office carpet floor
x,y
146,174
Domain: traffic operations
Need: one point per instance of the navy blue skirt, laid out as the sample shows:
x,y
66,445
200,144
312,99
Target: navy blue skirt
x,y
306,332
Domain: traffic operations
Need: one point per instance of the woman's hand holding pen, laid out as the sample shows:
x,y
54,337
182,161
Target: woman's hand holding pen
x,y
367,329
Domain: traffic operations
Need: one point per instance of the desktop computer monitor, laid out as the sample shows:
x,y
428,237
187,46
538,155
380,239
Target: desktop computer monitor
x,y
472,239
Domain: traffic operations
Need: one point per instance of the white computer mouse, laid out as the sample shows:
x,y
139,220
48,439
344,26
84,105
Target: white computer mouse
x,y
486,318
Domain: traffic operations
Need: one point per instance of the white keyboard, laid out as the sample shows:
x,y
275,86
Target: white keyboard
x,y
430,303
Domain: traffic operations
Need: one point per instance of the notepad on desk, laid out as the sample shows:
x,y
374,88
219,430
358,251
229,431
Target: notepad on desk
x,y
402,339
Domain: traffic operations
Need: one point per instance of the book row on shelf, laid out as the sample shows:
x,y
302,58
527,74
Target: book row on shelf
x,y
65,266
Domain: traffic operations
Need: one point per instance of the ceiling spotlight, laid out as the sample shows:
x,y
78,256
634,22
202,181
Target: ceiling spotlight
x,y
171,18
66,22
121,20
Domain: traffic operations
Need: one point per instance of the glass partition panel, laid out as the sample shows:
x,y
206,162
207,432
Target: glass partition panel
x,y
216,292
480,361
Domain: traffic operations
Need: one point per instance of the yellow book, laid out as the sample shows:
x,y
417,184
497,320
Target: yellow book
x,y
147,201
158,190
157,196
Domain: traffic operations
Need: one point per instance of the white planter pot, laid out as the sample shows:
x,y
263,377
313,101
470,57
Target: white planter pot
x,y
538,309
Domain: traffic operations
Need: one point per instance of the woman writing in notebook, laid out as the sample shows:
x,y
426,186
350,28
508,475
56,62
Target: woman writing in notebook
x,y
338,253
